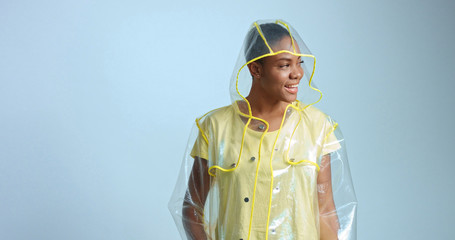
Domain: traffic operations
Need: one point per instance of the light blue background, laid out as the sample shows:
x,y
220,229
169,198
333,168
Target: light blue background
x,y
97,99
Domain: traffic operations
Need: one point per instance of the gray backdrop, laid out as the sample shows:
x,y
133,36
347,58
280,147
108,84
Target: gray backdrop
x,y
97,99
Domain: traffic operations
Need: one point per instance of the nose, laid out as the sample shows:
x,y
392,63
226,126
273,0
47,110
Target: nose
x,y
296,73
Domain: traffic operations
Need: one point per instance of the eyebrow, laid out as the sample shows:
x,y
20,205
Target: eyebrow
x,y
288,58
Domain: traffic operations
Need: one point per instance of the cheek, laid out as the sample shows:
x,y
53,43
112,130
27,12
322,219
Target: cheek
x,y
283,76
277,80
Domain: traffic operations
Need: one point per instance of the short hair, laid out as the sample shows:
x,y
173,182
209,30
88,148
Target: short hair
x,y
255,45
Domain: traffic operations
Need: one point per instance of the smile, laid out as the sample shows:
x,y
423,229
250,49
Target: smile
x,y
292,88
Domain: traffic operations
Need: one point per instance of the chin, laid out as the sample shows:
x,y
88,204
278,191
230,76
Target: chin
x,y
290,100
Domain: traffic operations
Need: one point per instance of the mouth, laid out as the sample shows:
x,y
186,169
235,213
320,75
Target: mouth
x,y
292,88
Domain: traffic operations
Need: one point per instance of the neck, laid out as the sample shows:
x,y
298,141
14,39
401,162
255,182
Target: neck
x,y
264,107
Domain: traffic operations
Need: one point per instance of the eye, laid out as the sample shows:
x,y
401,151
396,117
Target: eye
x,y
284,66
301,62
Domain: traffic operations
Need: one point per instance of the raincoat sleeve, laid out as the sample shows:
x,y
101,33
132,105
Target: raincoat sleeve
x,y
188,199
336,196
200,147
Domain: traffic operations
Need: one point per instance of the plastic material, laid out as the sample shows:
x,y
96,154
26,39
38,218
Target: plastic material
x,y
245,177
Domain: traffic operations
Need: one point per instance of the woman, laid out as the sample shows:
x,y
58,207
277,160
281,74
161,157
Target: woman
x,y
270,165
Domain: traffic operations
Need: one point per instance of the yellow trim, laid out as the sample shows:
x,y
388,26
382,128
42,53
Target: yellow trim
x,y
289,147
333,129
240,154
287,158
290,34
200,129
199,126
250,117
290,139
271,171
273,54
309,83
306,161
256,179
262,36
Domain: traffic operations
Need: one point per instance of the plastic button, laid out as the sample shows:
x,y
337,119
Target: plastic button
x,y
246,199
276,190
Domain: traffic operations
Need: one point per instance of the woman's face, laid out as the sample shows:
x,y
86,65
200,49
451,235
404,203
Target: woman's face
x,y
281,73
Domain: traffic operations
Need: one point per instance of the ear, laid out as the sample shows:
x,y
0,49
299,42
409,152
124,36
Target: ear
x,y
255,70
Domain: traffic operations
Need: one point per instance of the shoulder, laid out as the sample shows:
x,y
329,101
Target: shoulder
x,y
318,118
314,113
218,113
215,116
221,112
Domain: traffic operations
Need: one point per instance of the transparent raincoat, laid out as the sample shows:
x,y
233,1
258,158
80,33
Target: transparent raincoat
x,y
243,179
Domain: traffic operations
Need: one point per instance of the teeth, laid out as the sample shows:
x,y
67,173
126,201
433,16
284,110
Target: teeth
x,y
292,86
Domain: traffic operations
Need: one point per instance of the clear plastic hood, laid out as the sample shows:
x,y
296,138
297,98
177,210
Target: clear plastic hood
x,y
270,38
